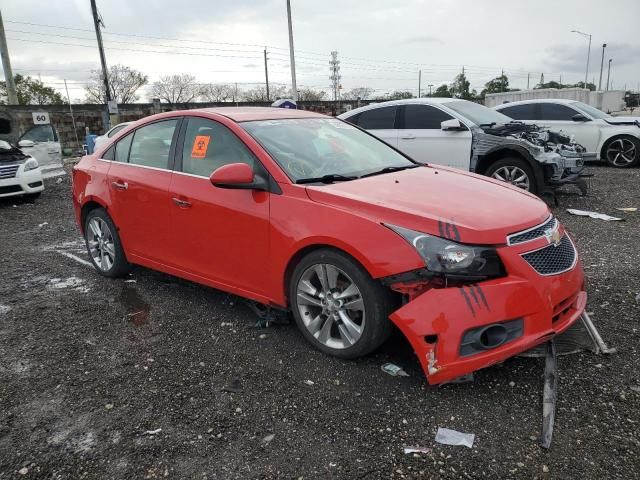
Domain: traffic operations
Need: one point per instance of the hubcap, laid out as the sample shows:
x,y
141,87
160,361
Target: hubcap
x,y
621,152
100,242
513,175
331,306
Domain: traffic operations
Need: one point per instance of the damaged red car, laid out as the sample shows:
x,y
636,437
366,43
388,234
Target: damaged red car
x,y
303,212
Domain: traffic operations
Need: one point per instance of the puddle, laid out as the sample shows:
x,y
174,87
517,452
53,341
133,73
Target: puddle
x,y
136,309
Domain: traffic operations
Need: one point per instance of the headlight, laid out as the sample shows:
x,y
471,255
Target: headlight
x,y
451,258
30,164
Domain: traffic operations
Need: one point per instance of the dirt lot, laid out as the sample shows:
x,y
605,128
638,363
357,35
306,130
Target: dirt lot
x,y
91,369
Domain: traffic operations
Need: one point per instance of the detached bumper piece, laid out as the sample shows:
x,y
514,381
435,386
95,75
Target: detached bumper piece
x,y
549,395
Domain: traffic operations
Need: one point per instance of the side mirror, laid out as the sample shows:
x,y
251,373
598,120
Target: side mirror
x,y
578,117
26,143
237,176
453,124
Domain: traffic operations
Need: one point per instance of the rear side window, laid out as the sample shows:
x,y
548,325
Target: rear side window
x,y
115,130
151,144
521,112
554,111
208,145
424,117
110,154
378,118
122,149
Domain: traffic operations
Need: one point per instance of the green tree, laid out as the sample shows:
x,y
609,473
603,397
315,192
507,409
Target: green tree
x,y
400,95
442,91
590,86
496,85
31,91
460,87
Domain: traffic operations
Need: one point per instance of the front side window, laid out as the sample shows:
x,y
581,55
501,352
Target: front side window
x,y
40,133
315,147
590,111
209,145
521,112
151,144
555,111
424,117
122,149
378,118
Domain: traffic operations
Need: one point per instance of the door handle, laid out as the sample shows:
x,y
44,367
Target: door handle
x,y
408,137
120,186
181,203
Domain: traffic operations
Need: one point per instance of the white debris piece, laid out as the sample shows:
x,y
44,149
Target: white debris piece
x,y
453,437
40,225
309,382
152,432
417,450
72,282
393,370
267,440
586,213
4,309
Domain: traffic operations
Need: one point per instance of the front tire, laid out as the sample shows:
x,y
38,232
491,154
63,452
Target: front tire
x,y
103,244
337,306
622,152
515,171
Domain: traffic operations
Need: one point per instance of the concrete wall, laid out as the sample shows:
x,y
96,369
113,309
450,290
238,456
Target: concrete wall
x,y
17,119
610,101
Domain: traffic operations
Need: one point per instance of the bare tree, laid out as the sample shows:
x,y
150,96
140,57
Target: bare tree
x,y
176,88
311,95
259,94
217,92
363,93
124,82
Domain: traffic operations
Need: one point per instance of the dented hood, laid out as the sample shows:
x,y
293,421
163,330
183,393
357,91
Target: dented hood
x,y
623,120
434,200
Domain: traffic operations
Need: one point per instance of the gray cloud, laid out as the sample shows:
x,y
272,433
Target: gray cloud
x,y
424,39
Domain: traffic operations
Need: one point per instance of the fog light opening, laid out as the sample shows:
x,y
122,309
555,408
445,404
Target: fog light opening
x,y
431,339
492,336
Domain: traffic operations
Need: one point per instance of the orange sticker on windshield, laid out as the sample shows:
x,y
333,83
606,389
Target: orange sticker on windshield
x,y
200,145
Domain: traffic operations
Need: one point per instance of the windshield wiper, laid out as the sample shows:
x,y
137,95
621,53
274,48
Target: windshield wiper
x,y
330,178
489,125
388,170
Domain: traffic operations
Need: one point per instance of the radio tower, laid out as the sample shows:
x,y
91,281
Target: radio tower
x,y
334,69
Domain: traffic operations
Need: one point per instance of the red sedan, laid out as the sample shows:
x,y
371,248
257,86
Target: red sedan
x,y
305,212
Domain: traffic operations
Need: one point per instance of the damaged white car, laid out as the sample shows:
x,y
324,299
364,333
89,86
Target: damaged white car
x,y
20,174
470,136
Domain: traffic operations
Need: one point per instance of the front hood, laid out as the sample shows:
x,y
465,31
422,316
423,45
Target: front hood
x,y
440,201
623,121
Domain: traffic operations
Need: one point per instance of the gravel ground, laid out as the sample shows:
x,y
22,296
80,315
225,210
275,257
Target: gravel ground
x,y
130,379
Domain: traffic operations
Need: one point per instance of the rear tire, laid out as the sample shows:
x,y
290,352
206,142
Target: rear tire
x,y
103,244
515,171
622,152
338,307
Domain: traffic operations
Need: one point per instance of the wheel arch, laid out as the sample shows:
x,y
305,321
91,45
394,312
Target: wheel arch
x,y
512,151
90,204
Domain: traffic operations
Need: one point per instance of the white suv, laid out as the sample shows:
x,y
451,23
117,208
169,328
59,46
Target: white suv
x,y
614,139
470,136
20,174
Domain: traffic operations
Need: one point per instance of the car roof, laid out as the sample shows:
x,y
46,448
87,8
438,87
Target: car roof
x,y
406,101
246,114
563,101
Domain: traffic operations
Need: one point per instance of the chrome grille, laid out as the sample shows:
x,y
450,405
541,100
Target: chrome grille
x,y
8,171
532,233
552,260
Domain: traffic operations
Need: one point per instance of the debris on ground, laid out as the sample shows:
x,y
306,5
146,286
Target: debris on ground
x,y
309,382
628,209
267,315
234,386
595,335
152,432
393,370
447,436
461,379
574,339
6,309
587,213
267,440
40,225
549,395
130,281
417,450
59,181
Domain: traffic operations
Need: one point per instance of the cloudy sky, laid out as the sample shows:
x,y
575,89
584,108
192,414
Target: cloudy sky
x,y
381,43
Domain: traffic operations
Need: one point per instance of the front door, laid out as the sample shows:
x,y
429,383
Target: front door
x,y
380,122
45,149
556,116
139,180
219,234
421,137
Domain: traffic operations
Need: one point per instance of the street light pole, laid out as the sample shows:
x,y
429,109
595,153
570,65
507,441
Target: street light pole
x,y
294,88
604,45
430,85
609,73
586,35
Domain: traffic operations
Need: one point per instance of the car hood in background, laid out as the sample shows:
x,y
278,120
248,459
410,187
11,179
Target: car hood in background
x,y
623,120
461,206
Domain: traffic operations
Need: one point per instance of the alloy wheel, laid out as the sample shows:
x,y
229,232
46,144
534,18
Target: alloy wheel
x,y
101,244
513,175
331,306
621,152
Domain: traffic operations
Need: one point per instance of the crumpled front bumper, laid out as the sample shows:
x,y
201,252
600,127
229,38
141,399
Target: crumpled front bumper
x,y
436,321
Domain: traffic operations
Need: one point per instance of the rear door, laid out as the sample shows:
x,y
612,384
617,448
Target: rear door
x,y
220,234
139,180
422,138
380,122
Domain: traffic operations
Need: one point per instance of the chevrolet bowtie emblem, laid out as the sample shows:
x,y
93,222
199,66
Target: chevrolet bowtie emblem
x,y
553,236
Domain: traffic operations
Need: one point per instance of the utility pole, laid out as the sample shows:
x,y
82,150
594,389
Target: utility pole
x,y
586,35
604,45
294,88
266,72
235,94
609,75
12,96
528,78
73,119
419,82
334,69
430,85
103,61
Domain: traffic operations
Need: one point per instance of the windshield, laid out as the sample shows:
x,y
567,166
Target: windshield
x,y
478,114
316,147
589,110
